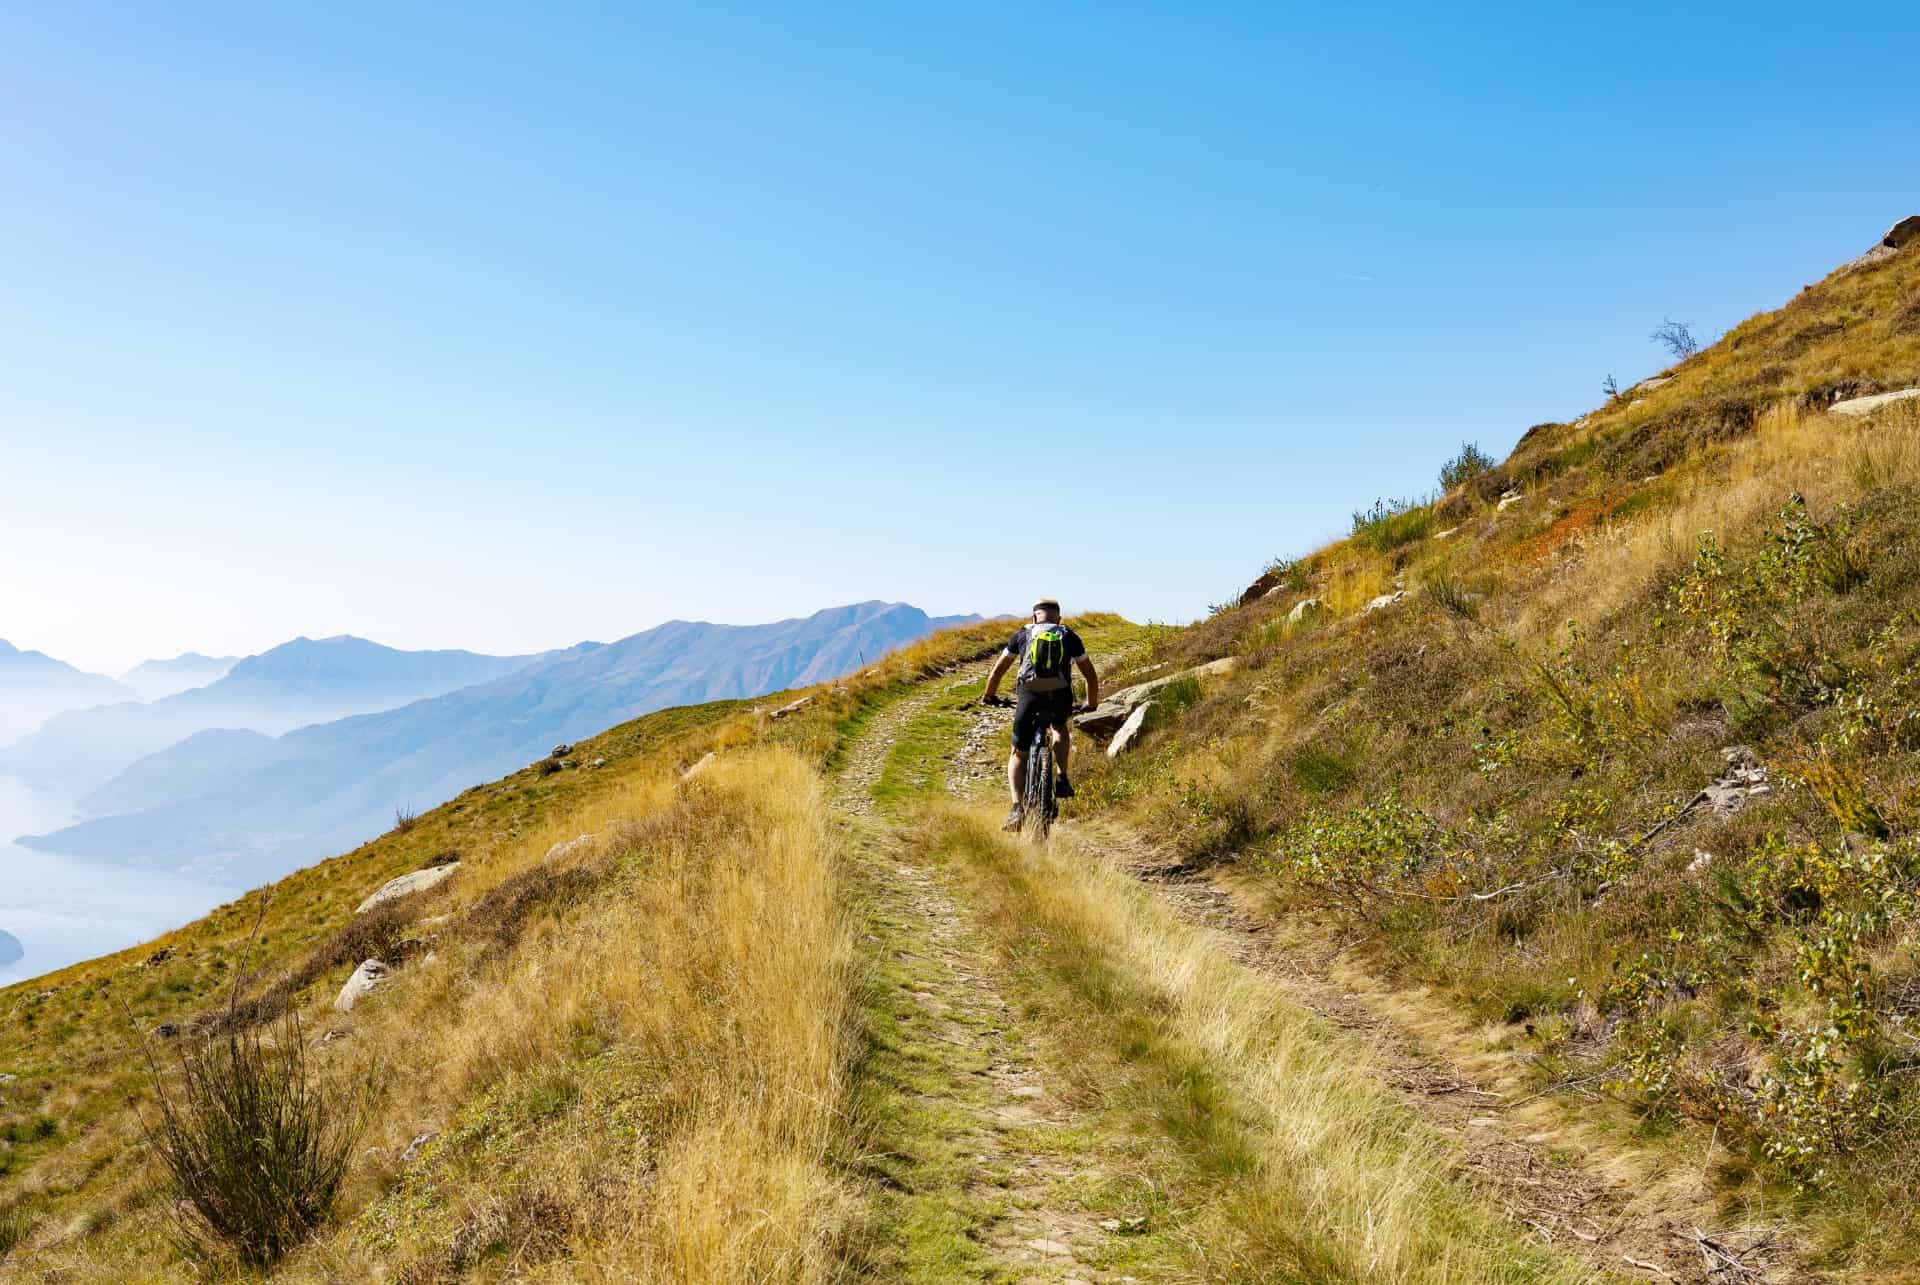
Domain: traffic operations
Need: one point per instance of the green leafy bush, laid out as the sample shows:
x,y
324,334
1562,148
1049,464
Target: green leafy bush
x,y
1468,464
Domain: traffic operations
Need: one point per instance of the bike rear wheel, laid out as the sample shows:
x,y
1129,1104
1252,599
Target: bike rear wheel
x,y
1038,802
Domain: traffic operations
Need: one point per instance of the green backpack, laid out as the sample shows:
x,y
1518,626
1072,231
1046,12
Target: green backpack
x,y
1045,666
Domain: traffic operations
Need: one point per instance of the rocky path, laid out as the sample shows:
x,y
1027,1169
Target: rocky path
x,y
1017,1148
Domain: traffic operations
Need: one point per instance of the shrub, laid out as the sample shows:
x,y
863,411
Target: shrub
x,y
1677,338
1469,463
15,1227
403,819
1453,596
1392,523
254,1147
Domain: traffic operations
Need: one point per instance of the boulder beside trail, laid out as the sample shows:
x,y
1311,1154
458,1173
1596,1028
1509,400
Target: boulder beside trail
x,y
793,708
1304,608
1858,406
707,760
406,885
1130,730
370,974
1113,712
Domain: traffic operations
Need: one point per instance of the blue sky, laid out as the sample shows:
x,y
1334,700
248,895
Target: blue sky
x,y
504,326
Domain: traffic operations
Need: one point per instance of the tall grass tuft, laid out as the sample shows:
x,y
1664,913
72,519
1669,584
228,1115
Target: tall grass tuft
x,y
254,1146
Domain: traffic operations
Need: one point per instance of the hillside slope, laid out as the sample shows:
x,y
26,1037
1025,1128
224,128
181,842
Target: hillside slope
x,y
1421,936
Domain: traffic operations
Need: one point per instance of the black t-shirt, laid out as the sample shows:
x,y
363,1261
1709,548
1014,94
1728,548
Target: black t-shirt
x,y
1017,648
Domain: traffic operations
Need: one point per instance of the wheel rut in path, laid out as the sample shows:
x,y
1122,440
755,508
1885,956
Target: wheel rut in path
x,y
1004,1119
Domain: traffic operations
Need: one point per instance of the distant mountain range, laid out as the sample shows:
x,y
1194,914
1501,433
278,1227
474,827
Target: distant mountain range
x,y
151,680
251,808
34,686
297,683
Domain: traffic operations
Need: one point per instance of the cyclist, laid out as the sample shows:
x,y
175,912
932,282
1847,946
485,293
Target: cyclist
x,y
1045,649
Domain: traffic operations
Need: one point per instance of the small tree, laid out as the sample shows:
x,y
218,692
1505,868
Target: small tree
x,y
1469,463
1611,388
1677,338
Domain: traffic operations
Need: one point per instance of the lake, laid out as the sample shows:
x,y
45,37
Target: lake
x,y
65,910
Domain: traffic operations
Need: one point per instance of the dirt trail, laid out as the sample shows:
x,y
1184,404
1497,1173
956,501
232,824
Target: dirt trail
x,y
1569,1185
1621,1210
1009,1115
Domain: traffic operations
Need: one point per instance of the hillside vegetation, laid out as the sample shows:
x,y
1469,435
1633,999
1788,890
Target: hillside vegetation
x,y
1538,902
1502,779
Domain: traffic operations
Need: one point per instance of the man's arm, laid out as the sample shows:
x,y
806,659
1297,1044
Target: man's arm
x,y
1093,680
1000,668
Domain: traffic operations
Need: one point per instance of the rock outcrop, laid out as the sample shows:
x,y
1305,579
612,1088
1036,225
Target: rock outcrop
x,y
1906,230
1304,608
1113,712
1129,731
707,760
408,884
1859,406
370,974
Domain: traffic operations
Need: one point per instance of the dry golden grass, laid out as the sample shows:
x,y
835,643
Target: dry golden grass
x,y
1831,459
704,993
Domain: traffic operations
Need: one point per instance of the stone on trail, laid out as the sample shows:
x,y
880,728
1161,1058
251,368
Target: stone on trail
x,y
370,974
419,1144
1053,1247
1856,407
406,885
1130,730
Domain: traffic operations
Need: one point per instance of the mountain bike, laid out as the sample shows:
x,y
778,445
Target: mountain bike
x,y
1038,808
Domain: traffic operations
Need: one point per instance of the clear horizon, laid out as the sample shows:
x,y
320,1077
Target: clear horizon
x,y
457,328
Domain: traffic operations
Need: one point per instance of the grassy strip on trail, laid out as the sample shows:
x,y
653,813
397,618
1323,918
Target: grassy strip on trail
x,y
1293,1164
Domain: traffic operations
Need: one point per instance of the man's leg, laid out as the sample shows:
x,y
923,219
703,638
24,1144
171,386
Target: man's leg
x,y
1016,775
1062,748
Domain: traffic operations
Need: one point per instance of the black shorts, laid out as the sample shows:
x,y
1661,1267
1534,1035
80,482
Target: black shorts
x,y
1036,709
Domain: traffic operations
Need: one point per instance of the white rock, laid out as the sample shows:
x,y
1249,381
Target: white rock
x,y
1054,1247
1859,406
1384,601
794,707
1441,535
707,760
370,974
1129,730
419,1144
1304,608
1701,860
1508,500
406,885
1650,384
567,847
